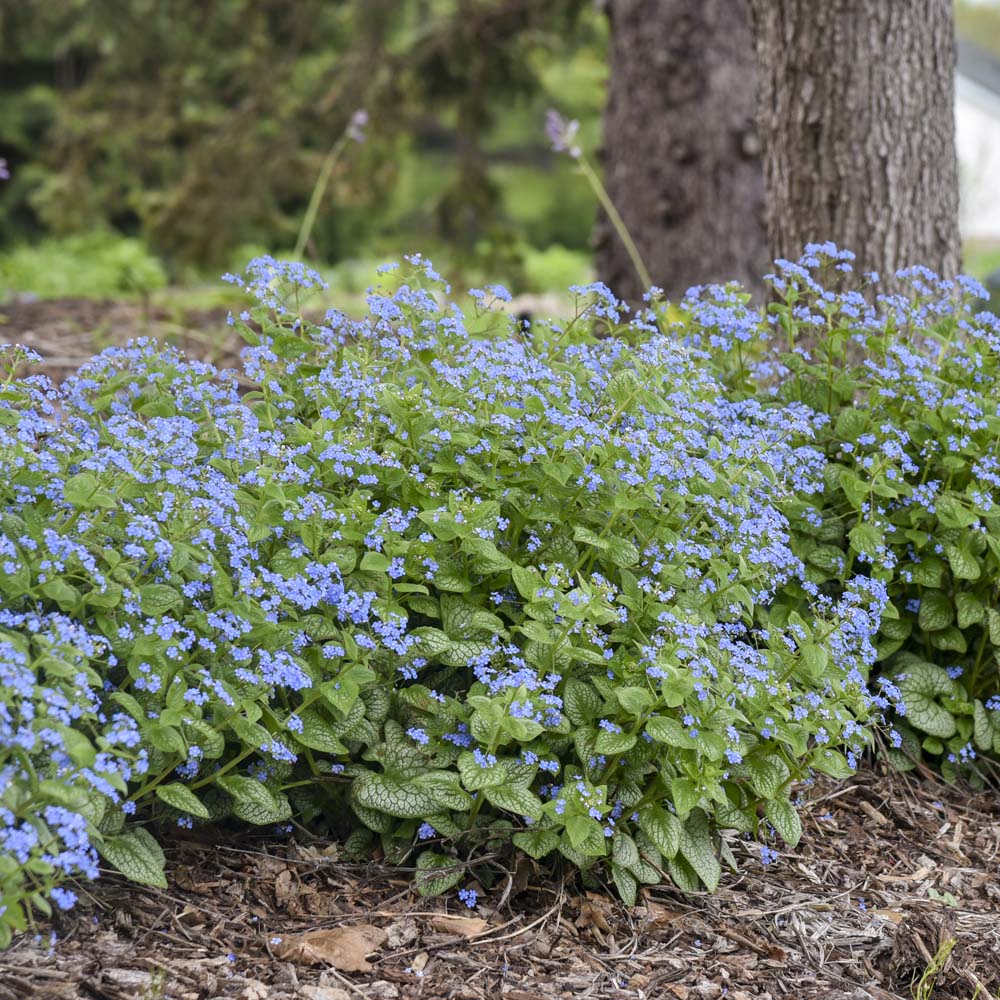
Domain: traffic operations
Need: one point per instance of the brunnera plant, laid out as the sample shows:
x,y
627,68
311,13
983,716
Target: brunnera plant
x,y
473,582
906,390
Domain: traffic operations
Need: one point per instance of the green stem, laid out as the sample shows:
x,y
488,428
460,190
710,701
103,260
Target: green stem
x,y
319,189
616,221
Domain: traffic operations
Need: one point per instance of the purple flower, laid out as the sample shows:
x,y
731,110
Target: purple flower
x,y
356,126
562,133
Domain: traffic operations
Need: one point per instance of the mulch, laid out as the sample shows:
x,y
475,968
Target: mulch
x,y
67,332
893,878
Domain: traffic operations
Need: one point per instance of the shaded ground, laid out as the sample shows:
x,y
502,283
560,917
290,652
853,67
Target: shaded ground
x,y
66,332
888,872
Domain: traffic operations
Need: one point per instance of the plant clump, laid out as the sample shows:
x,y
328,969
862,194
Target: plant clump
x,y
905,389
467,581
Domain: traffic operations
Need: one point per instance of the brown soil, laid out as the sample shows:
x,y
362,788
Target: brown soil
x,y
66,332
890,874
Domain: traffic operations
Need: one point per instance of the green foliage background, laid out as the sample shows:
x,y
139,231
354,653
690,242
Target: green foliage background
x,y
200,129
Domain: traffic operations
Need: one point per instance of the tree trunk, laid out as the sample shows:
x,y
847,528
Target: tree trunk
x,y
681,153
857,123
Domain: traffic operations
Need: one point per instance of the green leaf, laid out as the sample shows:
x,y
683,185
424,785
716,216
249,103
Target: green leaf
x,y
581,703
936,611
380,822
65,595
63,794
829,558
251,734
635,700
921,685
970,609
833,763
464,620
949,638
198,732
586,835
625,883
404,799
624,851
446,788
488,559
815,660
867,538
614,743
964,565
929,572
180,797
436,873
684,876
851,423
729,816
458,654
784,817
475,777
768,775
983,732
515,799
431,641
318,732
952,513
537,631
157,598
685,795
527,581
129,703
904,758
136,855
588,537
536,843
451,576
375,562
168,739
993,617
666,730
622,552
253,801
109,597
698,849
84,492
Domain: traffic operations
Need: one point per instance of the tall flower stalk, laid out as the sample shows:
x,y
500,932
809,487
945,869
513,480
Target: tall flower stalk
x,y
355,132
562,134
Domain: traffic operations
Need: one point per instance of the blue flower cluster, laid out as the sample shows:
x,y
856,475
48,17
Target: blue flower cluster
x,y
904,391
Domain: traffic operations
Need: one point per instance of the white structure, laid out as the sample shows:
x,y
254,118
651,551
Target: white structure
x,y
977,123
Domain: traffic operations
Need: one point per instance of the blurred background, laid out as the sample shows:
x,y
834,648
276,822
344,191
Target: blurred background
x,y
153,144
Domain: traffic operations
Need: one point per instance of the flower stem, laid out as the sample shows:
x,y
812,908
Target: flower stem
x,y
616,221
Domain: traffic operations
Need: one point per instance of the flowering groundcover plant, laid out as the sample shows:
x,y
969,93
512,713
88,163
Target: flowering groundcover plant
x,y
476,582
909,386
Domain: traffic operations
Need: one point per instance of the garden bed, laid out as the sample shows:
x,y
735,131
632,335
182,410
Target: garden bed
x,y
888,870
67,332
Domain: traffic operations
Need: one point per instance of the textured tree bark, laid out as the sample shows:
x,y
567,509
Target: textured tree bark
x,y
681,153
857,123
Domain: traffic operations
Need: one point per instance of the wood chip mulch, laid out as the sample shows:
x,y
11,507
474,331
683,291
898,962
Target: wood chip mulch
x,y
68,332
893,879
